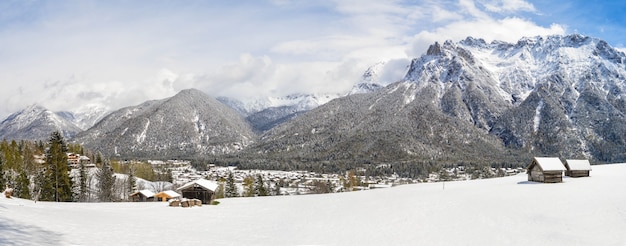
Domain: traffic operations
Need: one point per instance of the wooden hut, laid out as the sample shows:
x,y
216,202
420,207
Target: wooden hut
x,y
201,189
577,168
546,170
142,196
166,195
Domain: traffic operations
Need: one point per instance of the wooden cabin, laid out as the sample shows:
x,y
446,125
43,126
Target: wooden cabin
x,y
201,189
546,170
142,196
577,168
166,195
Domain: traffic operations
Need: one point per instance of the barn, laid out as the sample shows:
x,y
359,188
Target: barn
x,y
546,170
201,189
577,168
142,196
166,195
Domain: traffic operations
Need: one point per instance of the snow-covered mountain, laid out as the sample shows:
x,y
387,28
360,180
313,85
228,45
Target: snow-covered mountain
x,y
555,95
265,113
36,123
187,125
298,102
87,116
380,75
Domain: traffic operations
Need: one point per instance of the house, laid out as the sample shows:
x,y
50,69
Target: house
x,y
546,170
201,189
577,168
166,195
142,196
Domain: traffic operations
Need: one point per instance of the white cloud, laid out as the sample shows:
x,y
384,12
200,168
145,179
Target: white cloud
x,y
71,54
508,6
478,23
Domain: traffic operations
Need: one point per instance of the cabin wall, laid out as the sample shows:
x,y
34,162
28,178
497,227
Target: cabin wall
x,y
577,173
553,177
537,175
206,196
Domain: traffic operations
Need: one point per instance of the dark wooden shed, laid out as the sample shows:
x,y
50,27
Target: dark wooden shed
x,y
142,196
546,170
201,189
577,168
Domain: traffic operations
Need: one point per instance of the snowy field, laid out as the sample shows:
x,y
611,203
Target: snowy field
x,y
501,211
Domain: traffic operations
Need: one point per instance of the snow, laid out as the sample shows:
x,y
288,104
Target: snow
x,y
210,185
146,193
537,118
578,164
141,137
170,193
550,163
502,211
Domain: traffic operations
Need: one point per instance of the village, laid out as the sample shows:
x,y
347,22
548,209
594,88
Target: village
x,y
204,186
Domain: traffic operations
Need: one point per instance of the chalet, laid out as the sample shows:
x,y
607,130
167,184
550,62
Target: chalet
x,y
577,168
166,195
546,170
142,196
201,189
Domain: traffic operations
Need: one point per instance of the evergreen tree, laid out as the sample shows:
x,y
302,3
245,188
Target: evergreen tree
x,y
22,185
132,181
1,173
231,188
106,182
57,185
259,187
82,181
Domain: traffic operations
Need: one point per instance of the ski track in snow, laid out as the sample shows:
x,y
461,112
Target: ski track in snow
x,y
500,211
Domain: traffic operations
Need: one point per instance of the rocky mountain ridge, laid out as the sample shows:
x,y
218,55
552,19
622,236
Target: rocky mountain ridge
x,y
468,101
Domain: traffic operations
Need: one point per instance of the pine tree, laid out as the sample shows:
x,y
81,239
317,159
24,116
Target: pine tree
x,y
259,187
231,188
106,182
1,173
132,181
22,185
57,185
82,183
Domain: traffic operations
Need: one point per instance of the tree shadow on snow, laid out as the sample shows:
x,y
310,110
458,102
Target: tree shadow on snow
x,y
12,233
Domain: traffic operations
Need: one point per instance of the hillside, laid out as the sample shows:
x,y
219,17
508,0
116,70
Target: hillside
x,y
36,123
186,125
501,211
472,101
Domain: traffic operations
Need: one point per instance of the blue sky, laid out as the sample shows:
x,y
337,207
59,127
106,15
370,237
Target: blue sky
x,y
65,55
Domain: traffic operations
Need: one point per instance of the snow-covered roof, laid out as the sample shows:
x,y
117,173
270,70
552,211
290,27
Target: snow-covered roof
x,y
550,163
209,185
146,193
578,164
169,193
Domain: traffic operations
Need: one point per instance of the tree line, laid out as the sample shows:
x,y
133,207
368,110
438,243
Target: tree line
x,y
40,171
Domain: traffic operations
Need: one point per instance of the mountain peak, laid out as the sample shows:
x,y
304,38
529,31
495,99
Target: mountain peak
x,y
35,122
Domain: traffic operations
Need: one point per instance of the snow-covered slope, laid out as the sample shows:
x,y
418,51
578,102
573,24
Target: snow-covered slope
x,y
86,116
189,124
298,102
380,75
502,211
36,123
265,113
